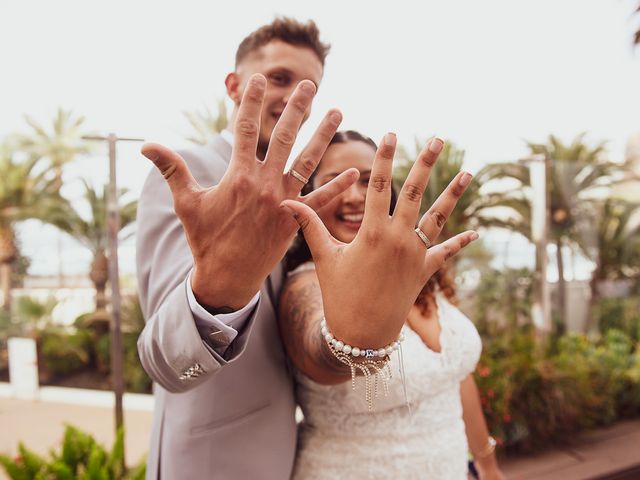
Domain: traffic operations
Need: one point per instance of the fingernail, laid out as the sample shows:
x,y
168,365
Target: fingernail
x,y
336,117
390,139
465,179
436,144
474,236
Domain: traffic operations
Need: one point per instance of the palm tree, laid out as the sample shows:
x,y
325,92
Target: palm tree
x,y
205,124
59,146
92,233
479,207
26,191
576,174
617,253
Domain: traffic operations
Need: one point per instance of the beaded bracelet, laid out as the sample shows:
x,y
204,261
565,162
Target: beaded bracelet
x,y
374,369
357,351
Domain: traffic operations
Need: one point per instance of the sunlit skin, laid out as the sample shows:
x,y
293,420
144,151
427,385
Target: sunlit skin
x,y
284,66
343,215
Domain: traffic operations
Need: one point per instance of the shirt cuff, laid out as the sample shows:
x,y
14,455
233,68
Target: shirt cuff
x,y
219,330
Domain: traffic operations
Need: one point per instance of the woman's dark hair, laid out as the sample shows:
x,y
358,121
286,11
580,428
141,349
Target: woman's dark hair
x,y
299,251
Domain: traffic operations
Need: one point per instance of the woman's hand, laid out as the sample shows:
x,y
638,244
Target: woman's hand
x,y
369,285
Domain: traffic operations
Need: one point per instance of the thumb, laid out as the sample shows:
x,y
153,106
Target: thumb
x,y
172,167
315,233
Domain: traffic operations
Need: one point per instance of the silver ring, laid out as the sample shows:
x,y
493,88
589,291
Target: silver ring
x,y
423,237
298,176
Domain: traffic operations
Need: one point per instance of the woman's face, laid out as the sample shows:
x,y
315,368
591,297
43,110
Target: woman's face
x,y
343,215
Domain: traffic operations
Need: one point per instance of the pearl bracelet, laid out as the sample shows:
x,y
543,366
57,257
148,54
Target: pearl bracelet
x,y
340,346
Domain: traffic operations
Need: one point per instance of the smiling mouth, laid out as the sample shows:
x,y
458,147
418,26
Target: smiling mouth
x,y
351,217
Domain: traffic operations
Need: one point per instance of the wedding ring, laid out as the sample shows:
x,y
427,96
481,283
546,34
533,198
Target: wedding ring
x,y
298,176
423,237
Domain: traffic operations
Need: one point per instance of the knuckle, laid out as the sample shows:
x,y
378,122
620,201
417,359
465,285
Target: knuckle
x,y
306,163
247,127
380,183
457,191
387,151
438,217
413,192
268,197
428,159
373,237
299,104
242,184
448,252
284,137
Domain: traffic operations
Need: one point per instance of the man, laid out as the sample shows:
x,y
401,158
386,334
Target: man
x,y
224,397
212,240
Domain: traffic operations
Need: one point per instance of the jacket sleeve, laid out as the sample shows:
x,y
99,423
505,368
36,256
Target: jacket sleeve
x,y
172,350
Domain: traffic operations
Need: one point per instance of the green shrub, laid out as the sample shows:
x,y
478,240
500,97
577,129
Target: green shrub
x,y
619,313
536,393
65,352
81,457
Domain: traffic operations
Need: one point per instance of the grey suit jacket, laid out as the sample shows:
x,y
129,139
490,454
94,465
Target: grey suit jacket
x,y
228,416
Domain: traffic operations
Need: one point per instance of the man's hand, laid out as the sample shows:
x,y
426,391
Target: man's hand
x,y
236,231
369,285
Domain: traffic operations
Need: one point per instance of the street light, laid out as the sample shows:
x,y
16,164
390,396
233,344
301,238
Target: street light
x,y
113,227
541,308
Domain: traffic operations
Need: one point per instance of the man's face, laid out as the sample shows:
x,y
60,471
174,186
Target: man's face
x,y
283,65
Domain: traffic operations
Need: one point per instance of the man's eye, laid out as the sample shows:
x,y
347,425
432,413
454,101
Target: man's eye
x,y
279,79
364,181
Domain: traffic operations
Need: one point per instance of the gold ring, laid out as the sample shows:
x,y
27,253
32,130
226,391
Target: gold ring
x,y
298,176
423,237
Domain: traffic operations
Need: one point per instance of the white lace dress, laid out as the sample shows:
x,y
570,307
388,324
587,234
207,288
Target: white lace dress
x,y
339,438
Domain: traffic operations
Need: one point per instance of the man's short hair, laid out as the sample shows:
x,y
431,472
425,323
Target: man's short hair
x,y
286,30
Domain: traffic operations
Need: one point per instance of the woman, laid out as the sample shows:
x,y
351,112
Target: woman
x,y
339,435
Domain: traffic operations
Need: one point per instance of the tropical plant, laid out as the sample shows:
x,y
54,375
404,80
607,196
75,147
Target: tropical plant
x,y
576,175
478,207
205,124
80,457
91,232
59,146
27,190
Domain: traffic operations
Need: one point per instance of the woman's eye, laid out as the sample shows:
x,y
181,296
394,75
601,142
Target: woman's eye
x,y
365,181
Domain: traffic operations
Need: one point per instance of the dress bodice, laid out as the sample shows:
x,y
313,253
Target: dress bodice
x,y
422,439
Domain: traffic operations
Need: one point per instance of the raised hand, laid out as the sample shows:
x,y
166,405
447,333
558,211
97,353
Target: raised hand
x,y
369,285
236,231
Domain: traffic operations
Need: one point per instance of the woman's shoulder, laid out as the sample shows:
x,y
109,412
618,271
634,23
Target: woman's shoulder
x,y
303,267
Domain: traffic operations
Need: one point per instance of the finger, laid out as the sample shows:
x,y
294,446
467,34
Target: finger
x,y
286,130
438,254
432,222
408,206
173,168
315,233
379,189
309,158
327,192
247,124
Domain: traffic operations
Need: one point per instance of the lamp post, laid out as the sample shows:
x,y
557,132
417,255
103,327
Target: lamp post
x,y
541,308
113,227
